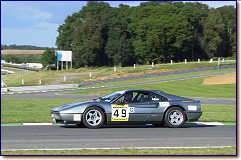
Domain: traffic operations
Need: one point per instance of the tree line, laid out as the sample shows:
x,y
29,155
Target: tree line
x,y
21,47
157,31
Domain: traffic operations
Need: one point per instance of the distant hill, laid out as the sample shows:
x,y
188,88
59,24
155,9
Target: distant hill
x,y
22,47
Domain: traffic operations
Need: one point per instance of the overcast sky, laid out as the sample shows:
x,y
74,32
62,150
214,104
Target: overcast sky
x,y
36,22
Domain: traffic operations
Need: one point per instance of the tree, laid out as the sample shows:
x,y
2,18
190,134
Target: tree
x,y
119,45
211,32
48,57
228,14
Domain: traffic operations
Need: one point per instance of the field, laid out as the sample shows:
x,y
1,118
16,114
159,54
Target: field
x,y
125,151
82,74
19,51
26,110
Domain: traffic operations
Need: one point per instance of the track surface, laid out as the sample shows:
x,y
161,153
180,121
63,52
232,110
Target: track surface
x,y
56,137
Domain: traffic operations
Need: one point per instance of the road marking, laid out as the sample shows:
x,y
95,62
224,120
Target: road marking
x,y
37,124
209,123
47,149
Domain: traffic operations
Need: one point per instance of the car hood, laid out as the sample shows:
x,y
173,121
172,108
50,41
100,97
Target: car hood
x,y
67,106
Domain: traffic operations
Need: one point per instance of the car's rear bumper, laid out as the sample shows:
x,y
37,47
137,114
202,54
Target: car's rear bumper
x,y
193,116
66,118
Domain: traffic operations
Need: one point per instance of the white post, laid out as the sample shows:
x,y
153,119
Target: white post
x,y
152,64
114,69
198,61
57,65
64,78
223,60
62,63
171,62
185,61
90,75
22,81
40,81
218,61
71,65
134,66
66,65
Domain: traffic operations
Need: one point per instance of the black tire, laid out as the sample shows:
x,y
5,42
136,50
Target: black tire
x,y
90,117
175,117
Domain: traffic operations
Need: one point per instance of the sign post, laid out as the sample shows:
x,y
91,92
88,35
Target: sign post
x,y
64,56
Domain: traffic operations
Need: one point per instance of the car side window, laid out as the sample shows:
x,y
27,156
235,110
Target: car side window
x,y
141,97
127,98
120,100
133,97
156,97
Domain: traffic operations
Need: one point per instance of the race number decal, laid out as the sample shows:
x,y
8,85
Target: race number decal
x,y
120,112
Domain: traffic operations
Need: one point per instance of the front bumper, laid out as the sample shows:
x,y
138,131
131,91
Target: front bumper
x,y
67,118
193,116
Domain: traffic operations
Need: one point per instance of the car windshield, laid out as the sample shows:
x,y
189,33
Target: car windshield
x,y
112,96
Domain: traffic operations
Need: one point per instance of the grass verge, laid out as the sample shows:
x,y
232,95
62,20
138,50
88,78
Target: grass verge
x,y
218,113
189,88
124,151
160,77
31,110
34,110
82,74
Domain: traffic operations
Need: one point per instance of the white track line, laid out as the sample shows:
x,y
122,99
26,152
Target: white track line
x,y
47,149
37,124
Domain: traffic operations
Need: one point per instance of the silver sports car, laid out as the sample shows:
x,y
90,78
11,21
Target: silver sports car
x,y
130,107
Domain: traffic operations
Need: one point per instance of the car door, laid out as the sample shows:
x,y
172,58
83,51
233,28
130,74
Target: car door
x,y
157,101
138,106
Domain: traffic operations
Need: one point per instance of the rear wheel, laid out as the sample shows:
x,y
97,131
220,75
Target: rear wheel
x,y
93,117
175,117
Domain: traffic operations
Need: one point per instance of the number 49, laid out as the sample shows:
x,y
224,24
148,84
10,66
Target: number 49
x,y
123,113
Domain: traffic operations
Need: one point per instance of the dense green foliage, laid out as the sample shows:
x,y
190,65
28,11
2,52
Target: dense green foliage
x,y
48,57
14,46
22,58
155,31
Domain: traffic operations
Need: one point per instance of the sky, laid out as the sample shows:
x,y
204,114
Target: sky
x,y
36,22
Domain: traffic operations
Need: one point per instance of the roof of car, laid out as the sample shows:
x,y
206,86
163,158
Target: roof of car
x,y
142,90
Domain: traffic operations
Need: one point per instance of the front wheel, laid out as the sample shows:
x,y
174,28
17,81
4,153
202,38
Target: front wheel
x,y
175,117
93,117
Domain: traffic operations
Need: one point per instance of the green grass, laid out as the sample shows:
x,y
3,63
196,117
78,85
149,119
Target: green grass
x,y
159,78
189,88
218,113
124,151
50,77
28,110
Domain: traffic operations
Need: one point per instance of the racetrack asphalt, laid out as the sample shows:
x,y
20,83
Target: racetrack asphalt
x,y
57,137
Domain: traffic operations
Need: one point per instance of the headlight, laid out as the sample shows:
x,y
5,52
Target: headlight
x,y
192,108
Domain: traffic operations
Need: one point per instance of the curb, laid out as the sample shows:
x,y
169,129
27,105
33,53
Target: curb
x,y
188,123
